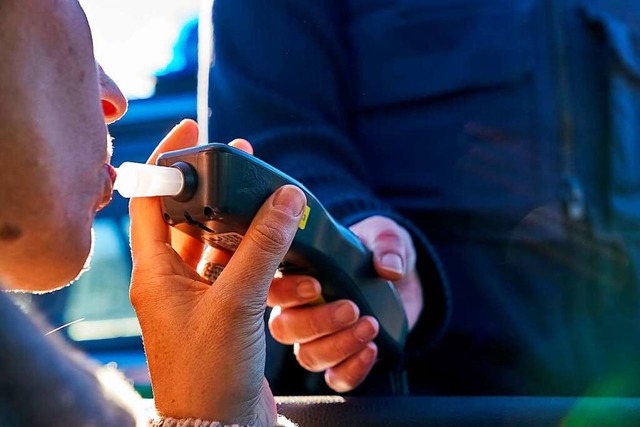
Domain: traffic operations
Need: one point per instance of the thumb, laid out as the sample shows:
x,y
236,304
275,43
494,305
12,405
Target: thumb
x,y
246,278
147,225
391,246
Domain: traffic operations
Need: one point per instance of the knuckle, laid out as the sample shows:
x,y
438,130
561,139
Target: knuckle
x,y
340,349
313,327
307,360
275,294
278,330
272,299
282,292
135,297
389,238
269,238
137,294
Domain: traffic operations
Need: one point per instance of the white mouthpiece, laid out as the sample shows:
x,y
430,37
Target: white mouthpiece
x,y
142,180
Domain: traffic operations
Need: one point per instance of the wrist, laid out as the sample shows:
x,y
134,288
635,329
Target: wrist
x,y
221,404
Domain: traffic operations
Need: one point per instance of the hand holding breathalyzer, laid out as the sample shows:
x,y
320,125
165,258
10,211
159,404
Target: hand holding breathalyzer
x,y
212,192
212,335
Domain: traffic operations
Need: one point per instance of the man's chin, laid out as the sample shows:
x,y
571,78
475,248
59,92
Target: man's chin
x,y
87,261
56,278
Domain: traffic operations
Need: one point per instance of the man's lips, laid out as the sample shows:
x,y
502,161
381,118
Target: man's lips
x,y
109,179
112,172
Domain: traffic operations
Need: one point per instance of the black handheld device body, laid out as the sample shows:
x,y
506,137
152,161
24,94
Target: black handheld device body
x,y
224,188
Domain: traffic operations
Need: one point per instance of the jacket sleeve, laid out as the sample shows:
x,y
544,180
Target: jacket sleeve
x,y
44,382
282,78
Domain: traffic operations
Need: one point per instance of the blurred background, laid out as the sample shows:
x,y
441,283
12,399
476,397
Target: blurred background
x,y
135,40
149,48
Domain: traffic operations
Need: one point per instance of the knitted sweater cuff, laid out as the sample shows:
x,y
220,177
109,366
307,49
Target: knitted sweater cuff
x,y
171,422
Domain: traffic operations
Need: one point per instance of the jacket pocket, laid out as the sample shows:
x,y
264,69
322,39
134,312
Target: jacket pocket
x,y
430,48
455,80
622,39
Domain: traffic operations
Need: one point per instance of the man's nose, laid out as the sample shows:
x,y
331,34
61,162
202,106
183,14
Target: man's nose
x,y
114,103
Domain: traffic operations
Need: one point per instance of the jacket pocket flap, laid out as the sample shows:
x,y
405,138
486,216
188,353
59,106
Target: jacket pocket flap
x,y
622,36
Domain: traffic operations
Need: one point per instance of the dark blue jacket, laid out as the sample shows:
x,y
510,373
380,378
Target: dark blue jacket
x,y
505,131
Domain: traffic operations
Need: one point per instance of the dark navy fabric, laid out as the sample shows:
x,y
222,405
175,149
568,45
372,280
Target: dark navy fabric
x,y
506,132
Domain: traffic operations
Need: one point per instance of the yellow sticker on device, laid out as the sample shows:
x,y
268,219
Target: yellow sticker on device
x,y
305,217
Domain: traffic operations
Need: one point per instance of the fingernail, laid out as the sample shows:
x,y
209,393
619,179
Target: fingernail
x,y
392,262
288,199
306,289
364,330
344,313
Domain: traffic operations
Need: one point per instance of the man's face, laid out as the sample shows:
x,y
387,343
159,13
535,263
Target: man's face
x,y
54,156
